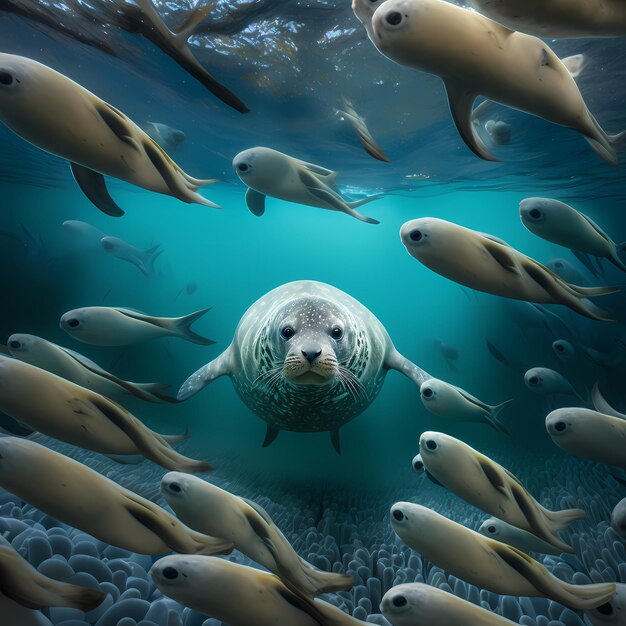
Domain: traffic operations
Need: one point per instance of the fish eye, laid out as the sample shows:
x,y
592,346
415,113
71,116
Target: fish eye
x,y
336,333
533,380
398,515
418,465
431,444
175,487
6,78
605,609
428,392
394,18
560,347
415,235
287,332
243,167
170,573
535,214
560,427
491,529
73,323
399,601
15,344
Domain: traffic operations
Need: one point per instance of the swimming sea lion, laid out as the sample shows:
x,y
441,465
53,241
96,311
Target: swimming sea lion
x,y
112,326
488,264
80,497
268,172
555,19
240,595
589,434
306,357
94,136
492,488
511,68
62,410
213,511
486,563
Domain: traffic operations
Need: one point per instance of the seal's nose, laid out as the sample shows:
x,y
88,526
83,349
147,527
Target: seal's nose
x,y
310,354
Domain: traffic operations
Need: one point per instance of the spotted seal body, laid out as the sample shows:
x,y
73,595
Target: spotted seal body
x,y
306,357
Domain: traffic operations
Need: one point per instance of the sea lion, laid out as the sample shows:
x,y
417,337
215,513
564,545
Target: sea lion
x,y
511,68
487,563
80,370
306,357
492,488
22,583
80,497
546,381
216,512
267,172
94,136
589,434
143,260
557,19
240,595
417,604
62,410
522,540
560,223
113,326
618,518
488,264
449,402
613,613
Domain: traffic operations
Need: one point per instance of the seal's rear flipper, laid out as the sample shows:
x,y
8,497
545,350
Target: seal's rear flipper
x,y
270,435
93,186
461,102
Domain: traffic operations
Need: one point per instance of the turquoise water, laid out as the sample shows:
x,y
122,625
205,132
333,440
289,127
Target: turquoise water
x,y
233,258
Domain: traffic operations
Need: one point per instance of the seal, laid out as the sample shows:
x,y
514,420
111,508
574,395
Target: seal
x,y
239,595
80,370
486,263
522,540
557,19
268,172
434,36
216,512
492,488
589,434
112,326
80,497
94,136
62,410
613,613
487,563
306,357
23,584
417,604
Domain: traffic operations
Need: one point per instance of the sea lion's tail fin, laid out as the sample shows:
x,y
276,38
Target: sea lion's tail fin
x,y
326,582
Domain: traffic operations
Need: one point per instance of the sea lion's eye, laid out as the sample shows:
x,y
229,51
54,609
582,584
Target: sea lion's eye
x,y
398,515
428,392
175,487
243,167
605,609
431,444
560,427
15,344
394,18
534,380
491,529
73,323
418,465
399,601
6,78
535,214
560,347
336,333
170,573
288,332
415,235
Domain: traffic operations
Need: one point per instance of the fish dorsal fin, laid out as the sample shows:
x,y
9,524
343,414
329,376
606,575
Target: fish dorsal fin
x,y
82,359
138,315
470,398
260,510
502,254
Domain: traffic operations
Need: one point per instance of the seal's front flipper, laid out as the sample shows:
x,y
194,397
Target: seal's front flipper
x,y
255,201
270,435
461,101
93,186
395,361
221,366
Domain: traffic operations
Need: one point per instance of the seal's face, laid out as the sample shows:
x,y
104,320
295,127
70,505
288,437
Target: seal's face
x,y
260,167
404,603
19,345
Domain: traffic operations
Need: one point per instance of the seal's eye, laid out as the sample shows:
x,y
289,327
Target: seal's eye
x,y
605,609
415,235
428,392
535,214
399,601
491,529
287,332
16,345
560,427
336,333
243,167
170,573
533,380
431,444
394,18
73,323
6,78
560,347
418,465
175,487
398,515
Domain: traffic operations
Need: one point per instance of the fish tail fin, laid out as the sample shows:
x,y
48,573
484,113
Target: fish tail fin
x,y
327,582
182,326
357,203
193,197
494,417
557,520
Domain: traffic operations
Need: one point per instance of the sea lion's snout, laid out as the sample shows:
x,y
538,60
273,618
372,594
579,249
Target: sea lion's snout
x,y
310,353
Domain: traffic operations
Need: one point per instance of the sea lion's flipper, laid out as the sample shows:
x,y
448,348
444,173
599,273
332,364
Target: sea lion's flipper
x,y
260,510
255,201
461,101
395,361
92,184
221,366
270,435
334,438
601,405
301,602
